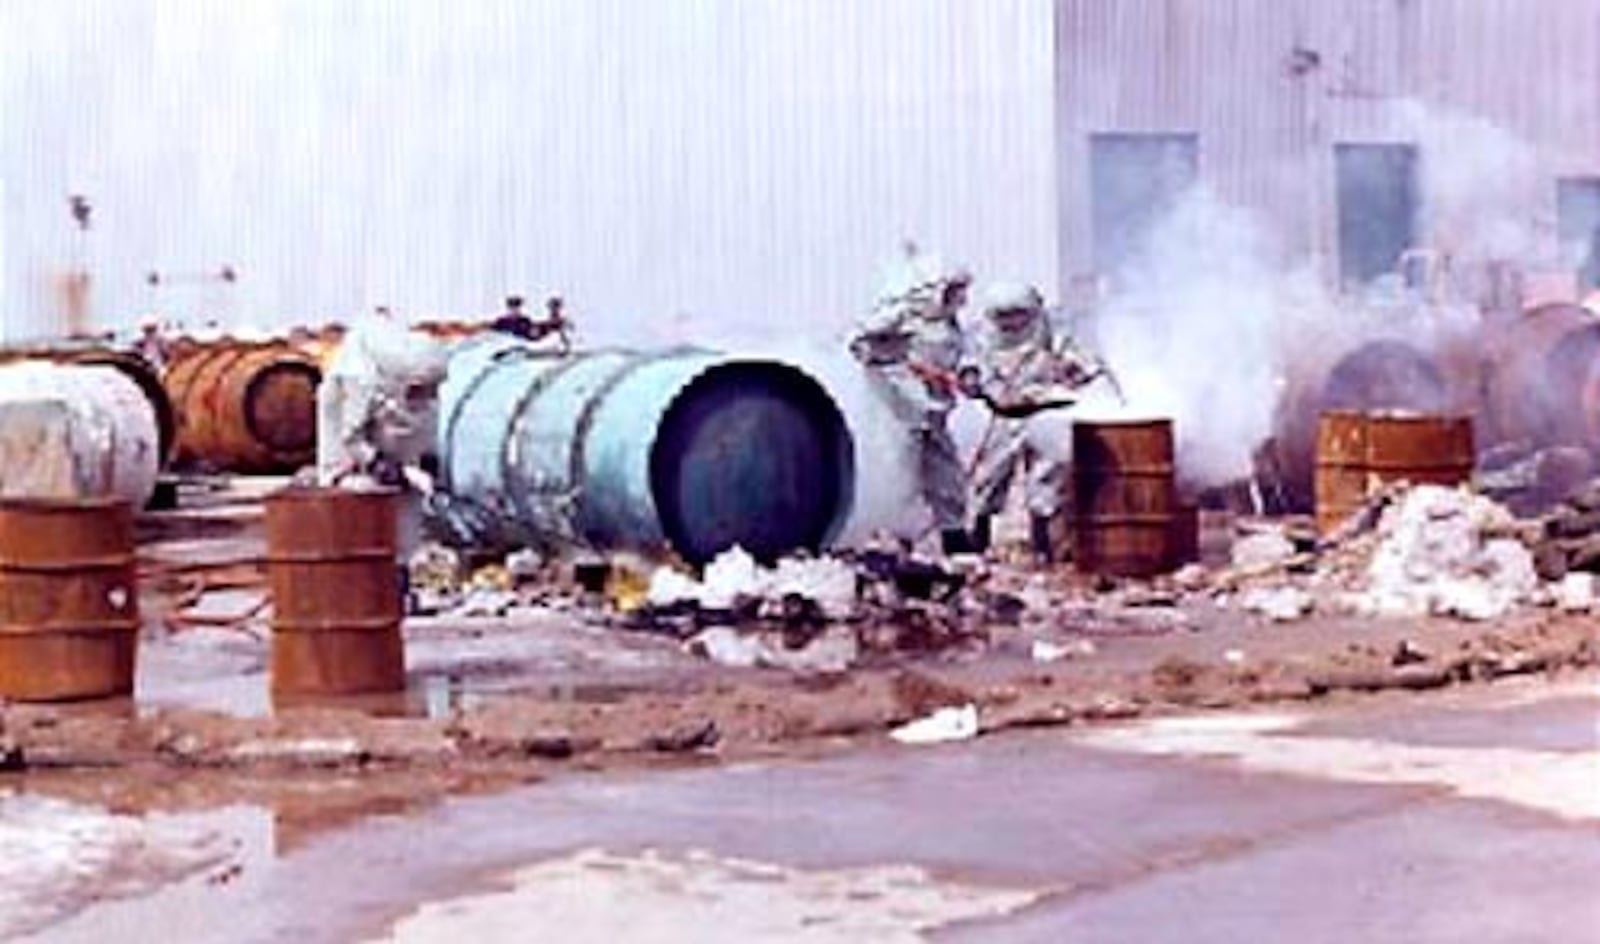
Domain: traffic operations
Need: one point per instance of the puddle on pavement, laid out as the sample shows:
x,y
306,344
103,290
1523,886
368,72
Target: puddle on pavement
x,y
432,696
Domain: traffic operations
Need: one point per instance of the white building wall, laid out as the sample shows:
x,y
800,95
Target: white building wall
x,y
1522,71
669,165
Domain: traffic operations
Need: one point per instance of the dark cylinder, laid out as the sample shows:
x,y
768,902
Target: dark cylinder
x,y
245,407
1542,383
1125,499
1358,453
69,609
683,449
335,587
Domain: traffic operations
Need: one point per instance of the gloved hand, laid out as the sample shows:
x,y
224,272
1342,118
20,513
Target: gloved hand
x,y
969,380
418,480
387,472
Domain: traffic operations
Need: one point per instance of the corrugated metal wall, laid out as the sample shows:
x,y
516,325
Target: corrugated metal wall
x,y
668,164
1505,93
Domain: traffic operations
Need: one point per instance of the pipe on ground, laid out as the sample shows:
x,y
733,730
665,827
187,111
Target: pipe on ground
x,y
683,449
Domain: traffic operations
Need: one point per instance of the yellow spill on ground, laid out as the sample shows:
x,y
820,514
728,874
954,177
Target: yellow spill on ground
x,y
600,896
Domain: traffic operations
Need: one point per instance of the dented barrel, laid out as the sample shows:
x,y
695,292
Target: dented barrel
x,y
1542,378
245,407
683,449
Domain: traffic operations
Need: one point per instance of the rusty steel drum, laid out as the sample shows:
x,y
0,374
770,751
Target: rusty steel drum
x,y
335,592
1542,378
69,608
245,407
1358,453
1386,374
451,330
1184,543
1125,498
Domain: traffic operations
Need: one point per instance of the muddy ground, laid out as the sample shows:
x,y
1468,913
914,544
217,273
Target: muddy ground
x,y
494,702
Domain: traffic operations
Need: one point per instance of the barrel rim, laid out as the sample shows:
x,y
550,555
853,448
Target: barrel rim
x,y
41,503
1154,423
294,364
672,525
305,493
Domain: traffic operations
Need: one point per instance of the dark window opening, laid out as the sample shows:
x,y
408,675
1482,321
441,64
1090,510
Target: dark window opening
x,y
1377,200
1578,223
1135,179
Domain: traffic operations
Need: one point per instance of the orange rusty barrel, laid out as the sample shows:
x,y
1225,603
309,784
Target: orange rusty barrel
x,y
335,592
1184,542
1385,374
451,330
69,610
1124,497
246,407
1542,378
1358,453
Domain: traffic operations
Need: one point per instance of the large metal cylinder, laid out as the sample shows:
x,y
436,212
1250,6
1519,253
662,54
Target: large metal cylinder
x,y
245,407
76,431
144,375
1542,378
681,449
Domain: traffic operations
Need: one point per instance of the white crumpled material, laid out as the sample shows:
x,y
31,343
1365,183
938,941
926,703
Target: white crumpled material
x,y
1432,559
734,576
1281,604
946,724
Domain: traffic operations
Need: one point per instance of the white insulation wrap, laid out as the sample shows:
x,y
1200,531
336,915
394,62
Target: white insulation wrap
x,y
70,431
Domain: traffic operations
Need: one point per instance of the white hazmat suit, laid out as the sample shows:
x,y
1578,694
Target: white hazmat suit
x,y
377,411
1023,365
912,346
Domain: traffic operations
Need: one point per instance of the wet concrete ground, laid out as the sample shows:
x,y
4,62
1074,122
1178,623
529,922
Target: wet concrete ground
x,y
1467,814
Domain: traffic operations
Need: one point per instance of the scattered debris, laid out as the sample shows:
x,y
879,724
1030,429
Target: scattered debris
x,y
1576,593
945,724
1263,548
697,738
1045,651
1432,558
1282,604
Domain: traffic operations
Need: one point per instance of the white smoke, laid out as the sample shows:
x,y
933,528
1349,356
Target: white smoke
x,y
1193,335
1478,182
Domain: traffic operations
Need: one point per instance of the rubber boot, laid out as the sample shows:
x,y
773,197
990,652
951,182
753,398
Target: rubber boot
x,y
982,530
1040,538
955,541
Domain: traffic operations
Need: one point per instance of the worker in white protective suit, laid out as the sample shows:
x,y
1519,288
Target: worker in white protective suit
x,y
1022,370
912,345
377,413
